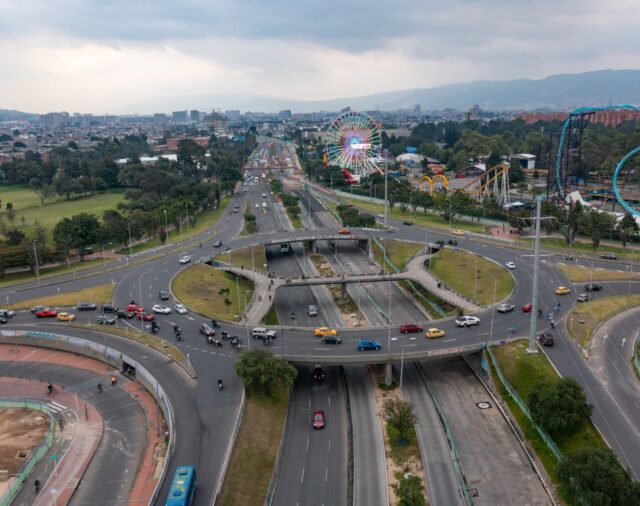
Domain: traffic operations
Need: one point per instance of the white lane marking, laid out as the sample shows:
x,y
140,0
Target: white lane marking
x,y
326,474
308,441
624,340
448,340
329,445
329,400
302,477
321,349
156,278
189,318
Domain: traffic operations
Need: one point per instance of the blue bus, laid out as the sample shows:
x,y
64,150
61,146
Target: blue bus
x,y
183,486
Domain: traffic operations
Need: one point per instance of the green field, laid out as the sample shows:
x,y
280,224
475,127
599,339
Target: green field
x,y
28,209
579,274
457,270
398,252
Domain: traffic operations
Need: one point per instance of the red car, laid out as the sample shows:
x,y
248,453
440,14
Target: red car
x,y
405,328
527,307
46,313
145,317
344,231
318,419
134,308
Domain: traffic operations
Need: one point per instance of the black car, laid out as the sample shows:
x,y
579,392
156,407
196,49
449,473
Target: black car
x,y
408,223
609,256
207,330
592,287
106,320
86,306
217,244
109,308
453,242
3,319
163,294
121,313
545,339
318,374
331,340
440,242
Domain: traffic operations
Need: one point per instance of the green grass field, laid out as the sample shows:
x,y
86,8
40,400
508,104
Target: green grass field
x,y
398,252
457,270
28,209
579,274
252,256
198,288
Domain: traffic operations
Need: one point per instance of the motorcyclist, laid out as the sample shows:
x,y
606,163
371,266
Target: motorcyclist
x,y
99,388
220,385
293,315
50,388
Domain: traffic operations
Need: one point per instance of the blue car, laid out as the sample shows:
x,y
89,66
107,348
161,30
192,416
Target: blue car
x,y
368,344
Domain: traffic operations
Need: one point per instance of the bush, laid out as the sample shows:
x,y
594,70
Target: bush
x,y
410,492
559,407
594,476
260,371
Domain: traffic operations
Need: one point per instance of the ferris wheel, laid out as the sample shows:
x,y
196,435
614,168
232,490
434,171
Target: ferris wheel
x,y
353,143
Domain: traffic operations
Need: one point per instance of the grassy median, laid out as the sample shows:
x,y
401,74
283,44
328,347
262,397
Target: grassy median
x,y
204,289
584,318
256,449
98,294
457,270
579,274
248,257
398,252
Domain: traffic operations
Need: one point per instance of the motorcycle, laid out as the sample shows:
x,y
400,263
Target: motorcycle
x,y
214,340
225,335
220,385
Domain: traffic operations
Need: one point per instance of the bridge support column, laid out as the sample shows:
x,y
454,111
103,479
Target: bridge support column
x,y
370,249
388,374
314,246
343,288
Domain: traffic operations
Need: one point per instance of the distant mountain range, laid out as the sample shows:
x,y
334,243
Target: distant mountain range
x,y
557,92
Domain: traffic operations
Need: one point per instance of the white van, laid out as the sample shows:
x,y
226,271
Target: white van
x,y
262,332
312,311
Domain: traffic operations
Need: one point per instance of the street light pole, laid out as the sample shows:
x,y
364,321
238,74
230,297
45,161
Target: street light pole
x,y
130,247
475,285
386,176
35,255
166,226
493,307
534,295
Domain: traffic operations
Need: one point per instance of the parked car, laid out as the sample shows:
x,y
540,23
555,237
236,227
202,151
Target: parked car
x,y
592,287
583,297
106,320
434,333
318,419
160,309
505,308
466,321
207,330
406,328
180,309
324,331
510,265
331,340
46,313
36,309
545,339
609,256
368,344
163,294
527,307
562,290
109,308
145,317
66,317
86,306
185,259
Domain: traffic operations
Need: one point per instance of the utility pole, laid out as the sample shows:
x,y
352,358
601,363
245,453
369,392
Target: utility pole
x,y
534,291
35,254
130,247
386,176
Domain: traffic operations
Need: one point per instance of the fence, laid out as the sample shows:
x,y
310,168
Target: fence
x,y
523,406
35,455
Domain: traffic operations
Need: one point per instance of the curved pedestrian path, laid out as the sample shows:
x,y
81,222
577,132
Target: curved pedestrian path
x,y
105,453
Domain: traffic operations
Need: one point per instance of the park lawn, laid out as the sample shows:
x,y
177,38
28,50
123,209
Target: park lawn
x,y
580,274
255,451
398,252
457,270
198,288
248,257
419,218
22,197
585,317
51,213
522,370
98,294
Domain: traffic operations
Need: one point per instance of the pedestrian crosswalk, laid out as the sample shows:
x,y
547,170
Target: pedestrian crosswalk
x,y
56,407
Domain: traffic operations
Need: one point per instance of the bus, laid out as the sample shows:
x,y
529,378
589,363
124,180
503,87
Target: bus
x,y
183,486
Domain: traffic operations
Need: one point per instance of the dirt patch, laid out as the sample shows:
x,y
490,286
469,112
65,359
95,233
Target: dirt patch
x,y
21,430
400,460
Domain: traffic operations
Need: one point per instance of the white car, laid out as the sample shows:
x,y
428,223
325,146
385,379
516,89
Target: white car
x,y
185,259
180,309
466,321
510,265
160,309
505,308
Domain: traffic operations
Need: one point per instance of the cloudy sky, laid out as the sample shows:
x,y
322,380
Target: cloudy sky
x,y
111,55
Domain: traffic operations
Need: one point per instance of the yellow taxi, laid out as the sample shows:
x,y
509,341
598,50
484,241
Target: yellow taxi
x,y
66,317
562,290
457,231
434,332
324,331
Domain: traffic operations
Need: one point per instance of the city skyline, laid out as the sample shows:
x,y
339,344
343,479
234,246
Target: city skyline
x,y
104,56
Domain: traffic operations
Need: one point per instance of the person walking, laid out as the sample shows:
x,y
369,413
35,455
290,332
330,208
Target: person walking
x,y
36,484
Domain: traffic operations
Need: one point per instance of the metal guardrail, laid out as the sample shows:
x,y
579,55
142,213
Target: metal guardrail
x,y
227,455
35,455
268,501
523,406
108,355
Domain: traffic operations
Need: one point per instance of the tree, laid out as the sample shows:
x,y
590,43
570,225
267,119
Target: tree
x,y
227,303
410,491
399,415
14,236
627,228
559,407
64,236
260,371
224,292
594,476
597,224
43,190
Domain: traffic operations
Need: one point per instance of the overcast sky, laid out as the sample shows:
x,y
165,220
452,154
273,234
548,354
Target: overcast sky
x,y
104,55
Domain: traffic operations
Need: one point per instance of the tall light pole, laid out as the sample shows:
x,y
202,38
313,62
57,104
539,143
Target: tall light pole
x,y
35,255
389,321
166,226
493,307
386,177
475,285
130,247
534,292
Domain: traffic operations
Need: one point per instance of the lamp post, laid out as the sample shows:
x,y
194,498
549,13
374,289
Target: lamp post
x,y
140,298
389,321
493,306
386,176
166,226
130,247
35,255
475,285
